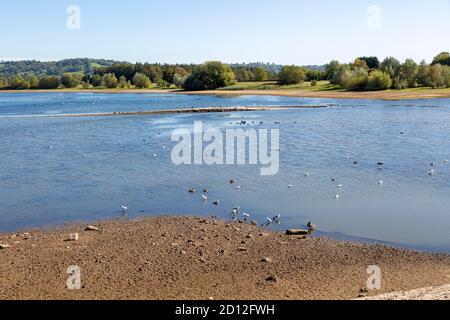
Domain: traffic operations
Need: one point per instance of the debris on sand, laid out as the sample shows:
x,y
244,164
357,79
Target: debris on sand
x,y
91,228
297,232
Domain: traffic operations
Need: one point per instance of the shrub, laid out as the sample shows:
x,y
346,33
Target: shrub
x,y
49,82
379,80
291,75
140,80
109,80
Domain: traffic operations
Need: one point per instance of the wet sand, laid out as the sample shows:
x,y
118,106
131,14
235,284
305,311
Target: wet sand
x,y
195,258
425,93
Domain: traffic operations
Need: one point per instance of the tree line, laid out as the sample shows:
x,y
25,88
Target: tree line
x,y
364,73
368,73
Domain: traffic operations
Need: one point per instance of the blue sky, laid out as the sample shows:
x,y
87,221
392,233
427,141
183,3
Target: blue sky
x,y
282,31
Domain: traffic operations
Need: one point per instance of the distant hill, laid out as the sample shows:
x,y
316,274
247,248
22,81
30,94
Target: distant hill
x,y
271,67
57,68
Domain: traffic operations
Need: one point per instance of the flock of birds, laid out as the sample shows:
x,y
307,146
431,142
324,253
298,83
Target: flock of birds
x,y
237,215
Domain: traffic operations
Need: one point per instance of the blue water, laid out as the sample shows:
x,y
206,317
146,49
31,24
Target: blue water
x,y
58,169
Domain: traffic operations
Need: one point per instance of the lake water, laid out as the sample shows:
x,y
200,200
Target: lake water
x,y
59,169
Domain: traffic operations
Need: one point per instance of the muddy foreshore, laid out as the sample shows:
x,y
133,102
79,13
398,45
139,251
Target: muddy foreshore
x,y
196,258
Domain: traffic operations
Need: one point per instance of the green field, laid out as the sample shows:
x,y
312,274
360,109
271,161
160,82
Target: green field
x,y
273,85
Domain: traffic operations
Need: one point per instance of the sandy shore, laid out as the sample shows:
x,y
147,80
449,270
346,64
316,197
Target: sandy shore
x,y
196,258
431,293
332,94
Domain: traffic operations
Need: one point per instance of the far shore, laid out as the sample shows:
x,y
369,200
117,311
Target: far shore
x,y
197,258
406,94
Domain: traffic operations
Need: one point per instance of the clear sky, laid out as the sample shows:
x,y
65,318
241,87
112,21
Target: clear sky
x,y
282,31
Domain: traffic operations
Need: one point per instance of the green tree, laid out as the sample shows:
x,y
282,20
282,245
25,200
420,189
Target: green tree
x,y
179,80
331,68
260,74
242,74
96,80
141,81
358,80
124,83
109,80
371,62
408,73
210,76
4,83
341,76
436,76
360,64
49,82
443,58
33,81
70,80
291,75
391,66
379,80
18,82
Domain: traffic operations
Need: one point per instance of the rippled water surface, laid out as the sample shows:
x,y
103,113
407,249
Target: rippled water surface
x,y
59,169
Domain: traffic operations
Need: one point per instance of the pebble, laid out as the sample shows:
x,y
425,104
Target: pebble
x,y
242,249
192,191
266,259
4,246
272,278
92,228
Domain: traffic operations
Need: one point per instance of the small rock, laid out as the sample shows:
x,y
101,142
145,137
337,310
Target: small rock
x,y
92,228
254,223
363,293
4,246
74,237
205,190
242,249
266,259
175,244
297,232
192,191
250,236
272,278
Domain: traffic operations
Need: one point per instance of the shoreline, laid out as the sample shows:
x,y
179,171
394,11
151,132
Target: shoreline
x,y
406,94
193,258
